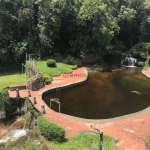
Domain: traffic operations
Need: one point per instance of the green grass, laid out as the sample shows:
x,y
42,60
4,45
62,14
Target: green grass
x,y
42,66
148,138
7,79
84,142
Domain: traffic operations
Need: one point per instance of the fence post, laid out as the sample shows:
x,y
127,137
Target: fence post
x,y
101,140
29,93
17,93
43,110
101,146
34,100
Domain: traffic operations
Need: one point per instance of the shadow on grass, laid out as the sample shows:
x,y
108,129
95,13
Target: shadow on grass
x,y
10,73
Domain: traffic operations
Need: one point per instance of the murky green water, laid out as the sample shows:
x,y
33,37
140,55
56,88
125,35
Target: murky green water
x,y
105,95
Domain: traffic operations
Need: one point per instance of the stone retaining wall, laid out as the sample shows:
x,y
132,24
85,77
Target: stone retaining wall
x,y
20,87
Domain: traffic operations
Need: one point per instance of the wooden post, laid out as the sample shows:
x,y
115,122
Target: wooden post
x,y
50,103
101,140
101,146
29,93
101,136
34,100
17,93
43,110
59,107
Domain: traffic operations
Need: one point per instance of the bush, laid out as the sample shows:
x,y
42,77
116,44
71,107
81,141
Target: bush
x,y
50,130
141,50
46,78
4,99
58,57
70,60
30,145
51,63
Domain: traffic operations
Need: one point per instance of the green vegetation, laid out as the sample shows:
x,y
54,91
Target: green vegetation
x,y
31,141
131,81
31,146
50,130
46,78
70,60
83,142
148,139
4,99
54,71
51,63
8,79
141,50
75,28
30,117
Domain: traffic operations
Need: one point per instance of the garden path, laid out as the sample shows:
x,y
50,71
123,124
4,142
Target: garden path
x,y
129,132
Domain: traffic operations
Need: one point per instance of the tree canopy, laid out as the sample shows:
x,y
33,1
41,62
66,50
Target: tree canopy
x,y
44,27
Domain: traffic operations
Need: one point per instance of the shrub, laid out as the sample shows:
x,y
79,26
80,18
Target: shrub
x,y
46,78
50,130
51,63
58,57
141,50
30,145
4,99
70,60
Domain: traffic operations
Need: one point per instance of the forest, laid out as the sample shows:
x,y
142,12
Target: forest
x,y
73,27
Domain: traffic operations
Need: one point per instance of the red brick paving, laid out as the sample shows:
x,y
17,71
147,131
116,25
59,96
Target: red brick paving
x,y
129,132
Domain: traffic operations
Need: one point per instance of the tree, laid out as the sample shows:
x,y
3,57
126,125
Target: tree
x,y
145,26
130,14
95,26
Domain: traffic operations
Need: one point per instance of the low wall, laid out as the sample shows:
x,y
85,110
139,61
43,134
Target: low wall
x,y
20,87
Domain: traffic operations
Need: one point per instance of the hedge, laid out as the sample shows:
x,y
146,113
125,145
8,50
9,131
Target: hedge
x,y
50,130
51,63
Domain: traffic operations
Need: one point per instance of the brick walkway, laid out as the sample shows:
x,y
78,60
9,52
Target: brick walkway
x,y
129,131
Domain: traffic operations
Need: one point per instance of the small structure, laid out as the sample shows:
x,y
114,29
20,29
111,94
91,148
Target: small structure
x,y
56,100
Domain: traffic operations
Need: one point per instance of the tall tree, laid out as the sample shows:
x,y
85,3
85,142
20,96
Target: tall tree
x,y
129,20
95,26
145,26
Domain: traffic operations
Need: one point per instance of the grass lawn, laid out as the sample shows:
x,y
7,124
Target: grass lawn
x,y
7,79
42,66
34,141
84,142
148,139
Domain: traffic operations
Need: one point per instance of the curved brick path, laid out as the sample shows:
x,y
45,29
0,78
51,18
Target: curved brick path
x,y
130,132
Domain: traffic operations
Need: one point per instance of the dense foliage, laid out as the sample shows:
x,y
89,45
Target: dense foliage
x,y
77,27
50,130
51,63
4,100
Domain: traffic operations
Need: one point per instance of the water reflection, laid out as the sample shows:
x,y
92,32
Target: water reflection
x,y
105,95
130,70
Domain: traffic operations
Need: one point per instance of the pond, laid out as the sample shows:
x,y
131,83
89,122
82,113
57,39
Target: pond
x,y
104,95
